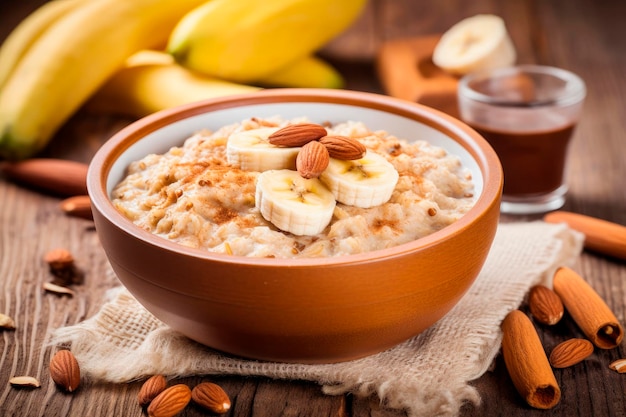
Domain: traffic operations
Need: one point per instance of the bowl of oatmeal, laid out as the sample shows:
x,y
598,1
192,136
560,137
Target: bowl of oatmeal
x,y
297,225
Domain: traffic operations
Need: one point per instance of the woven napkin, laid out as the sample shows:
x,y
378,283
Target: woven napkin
x,y
426,375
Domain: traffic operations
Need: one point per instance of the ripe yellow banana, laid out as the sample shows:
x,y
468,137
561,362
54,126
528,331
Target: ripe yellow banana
x,y
247,40
28,31
71,60
152,81
309,71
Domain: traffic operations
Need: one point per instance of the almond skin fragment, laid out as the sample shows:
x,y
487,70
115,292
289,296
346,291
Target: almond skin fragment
x,y
570,352
25,382
618,366
343,147
170,402
545,305
312,160
152,387
6,322
297,135
57,289
64,370
211,397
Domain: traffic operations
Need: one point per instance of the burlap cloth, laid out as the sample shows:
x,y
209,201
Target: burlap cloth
x,y
426,375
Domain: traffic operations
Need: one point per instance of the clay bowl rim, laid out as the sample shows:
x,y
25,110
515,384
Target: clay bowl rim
x,y
474,144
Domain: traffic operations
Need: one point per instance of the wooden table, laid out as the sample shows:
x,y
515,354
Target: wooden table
x,y
584,36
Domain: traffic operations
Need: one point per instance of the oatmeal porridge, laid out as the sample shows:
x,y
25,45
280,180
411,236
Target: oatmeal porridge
x,y
205,194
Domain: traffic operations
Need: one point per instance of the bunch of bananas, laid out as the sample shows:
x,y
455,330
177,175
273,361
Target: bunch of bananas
x,y
140,56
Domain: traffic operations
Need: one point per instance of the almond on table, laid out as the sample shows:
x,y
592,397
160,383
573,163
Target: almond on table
x,y
211,397
588,309
64,370
545,305
526,362
56,176
170,401
152,387
570,352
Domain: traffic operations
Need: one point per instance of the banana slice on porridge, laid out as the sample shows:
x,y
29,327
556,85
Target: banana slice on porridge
x,y
250,150
364,182
292,203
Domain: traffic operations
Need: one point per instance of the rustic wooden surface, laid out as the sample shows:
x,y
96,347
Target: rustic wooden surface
x,y
585,36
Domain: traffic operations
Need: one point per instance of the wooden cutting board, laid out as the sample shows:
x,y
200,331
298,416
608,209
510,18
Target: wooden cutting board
x,y
406,71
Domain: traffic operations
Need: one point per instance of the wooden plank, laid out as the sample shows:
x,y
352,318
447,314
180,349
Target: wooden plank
x,y
580,35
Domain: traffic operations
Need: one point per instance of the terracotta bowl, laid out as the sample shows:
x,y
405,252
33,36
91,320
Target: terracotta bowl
x,y
298,310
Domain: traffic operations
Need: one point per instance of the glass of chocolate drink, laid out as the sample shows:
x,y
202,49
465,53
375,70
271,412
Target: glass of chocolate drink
x,y
528,114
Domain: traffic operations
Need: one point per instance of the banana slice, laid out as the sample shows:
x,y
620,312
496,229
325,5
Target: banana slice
x,y
292,203
365,182
250,150
475,43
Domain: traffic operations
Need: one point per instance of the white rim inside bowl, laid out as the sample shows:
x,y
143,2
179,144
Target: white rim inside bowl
x,y
171,127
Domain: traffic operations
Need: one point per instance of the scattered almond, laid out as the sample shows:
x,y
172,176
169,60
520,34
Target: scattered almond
x,y
170,401
58,259
6,322
56,176
312,160
343,147
58,289
545,305
618,365
150,389
297,135
77,206
64,370
570,352
25,382
211,397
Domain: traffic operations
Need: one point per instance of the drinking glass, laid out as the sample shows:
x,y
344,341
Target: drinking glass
x,y
528,114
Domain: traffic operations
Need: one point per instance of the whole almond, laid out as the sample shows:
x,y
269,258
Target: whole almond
x,y
64,370
297,135
312,160
59,258
570,352
77,206
170,401
56,176
152,387
343,147
211,397
545,305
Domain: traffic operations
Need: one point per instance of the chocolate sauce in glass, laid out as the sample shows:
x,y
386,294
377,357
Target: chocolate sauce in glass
x,y
533,162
